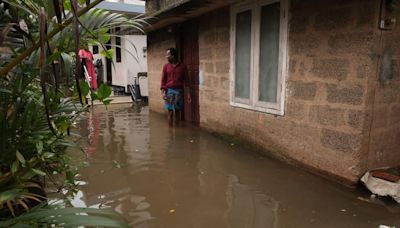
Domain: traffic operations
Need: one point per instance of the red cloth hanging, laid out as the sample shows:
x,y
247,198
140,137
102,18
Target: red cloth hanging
x,y
88,56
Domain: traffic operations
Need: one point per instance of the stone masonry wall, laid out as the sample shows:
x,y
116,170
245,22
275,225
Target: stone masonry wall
x,y
331,86
385,136
331,58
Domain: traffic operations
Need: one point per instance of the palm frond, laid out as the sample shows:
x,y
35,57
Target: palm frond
x,y
22,5
4,32
55,215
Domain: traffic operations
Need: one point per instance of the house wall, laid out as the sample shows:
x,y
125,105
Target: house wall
x,y
385,131
123,72
333,51
324,122
136,60
119,69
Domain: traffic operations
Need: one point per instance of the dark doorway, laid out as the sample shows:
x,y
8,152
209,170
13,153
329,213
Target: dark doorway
x,y
189,47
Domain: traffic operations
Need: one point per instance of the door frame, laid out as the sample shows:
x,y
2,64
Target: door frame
x,y
190,28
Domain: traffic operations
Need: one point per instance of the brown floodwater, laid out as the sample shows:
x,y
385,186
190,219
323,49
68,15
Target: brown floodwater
x,y
158,176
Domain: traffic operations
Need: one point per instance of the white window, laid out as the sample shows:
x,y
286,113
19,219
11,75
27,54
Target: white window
x,y
258,59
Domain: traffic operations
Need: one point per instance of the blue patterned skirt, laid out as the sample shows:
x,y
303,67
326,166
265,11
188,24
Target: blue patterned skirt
x,y
174,99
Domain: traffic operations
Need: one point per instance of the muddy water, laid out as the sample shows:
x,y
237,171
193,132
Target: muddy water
x,y
158,176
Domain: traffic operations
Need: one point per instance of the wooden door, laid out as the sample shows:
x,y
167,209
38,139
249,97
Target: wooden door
x,y
190,57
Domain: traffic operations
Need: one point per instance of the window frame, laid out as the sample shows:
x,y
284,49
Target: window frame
x,y
253,102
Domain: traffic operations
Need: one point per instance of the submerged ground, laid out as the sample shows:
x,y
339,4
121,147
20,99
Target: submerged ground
x,y
158,176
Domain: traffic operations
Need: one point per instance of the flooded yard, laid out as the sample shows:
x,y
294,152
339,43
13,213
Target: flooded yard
x,y
158,176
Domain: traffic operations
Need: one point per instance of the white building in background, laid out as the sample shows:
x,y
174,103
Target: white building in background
x,y
129,60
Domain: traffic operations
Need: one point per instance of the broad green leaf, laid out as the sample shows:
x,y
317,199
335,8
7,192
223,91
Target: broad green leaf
x,y
51,140
70,176
14,166
81,2
103,92
94,96
104,37
103,30
116,164
39,147
107,101
54,56
28,175
67,59
63,126
10,194
67,5
68,144
85,89
67,217
92,42
38,172
107,53
94,221
48,155
20,157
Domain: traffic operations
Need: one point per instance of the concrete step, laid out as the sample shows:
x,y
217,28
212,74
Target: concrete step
x,y
116,100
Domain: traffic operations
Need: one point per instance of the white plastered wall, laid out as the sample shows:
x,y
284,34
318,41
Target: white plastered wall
x,y
133,60
137,60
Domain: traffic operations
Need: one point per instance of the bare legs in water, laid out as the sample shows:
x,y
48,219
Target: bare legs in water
x,y
174,117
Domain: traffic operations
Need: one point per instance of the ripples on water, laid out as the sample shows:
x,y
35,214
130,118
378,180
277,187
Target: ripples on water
x,y
157,176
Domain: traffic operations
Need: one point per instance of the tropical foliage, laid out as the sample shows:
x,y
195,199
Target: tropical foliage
x,y
42,94
60,216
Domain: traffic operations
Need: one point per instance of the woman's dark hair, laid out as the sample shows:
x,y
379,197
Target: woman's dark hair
x,y
173,52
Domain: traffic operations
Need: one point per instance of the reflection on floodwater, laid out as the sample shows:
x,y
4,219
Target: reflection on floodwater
x,y
158,176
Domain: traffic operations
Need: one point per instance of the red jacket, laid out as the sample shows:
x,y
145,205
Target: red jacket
x,y
174,77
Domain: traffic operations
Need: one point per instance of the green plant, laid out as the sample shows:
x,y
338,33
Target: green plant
x,y
39,70
58,215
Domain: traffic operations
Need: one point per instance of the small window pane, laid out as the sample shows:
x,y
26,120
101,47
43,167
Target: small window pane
x,y
243,52
269,52
95,49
